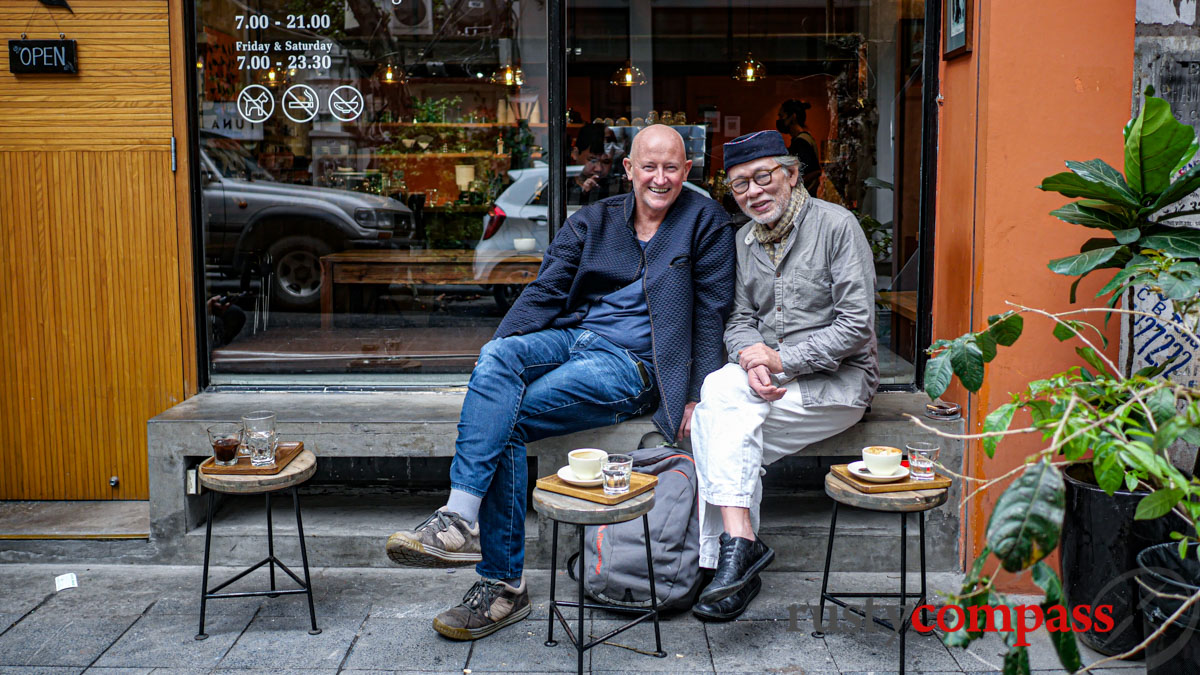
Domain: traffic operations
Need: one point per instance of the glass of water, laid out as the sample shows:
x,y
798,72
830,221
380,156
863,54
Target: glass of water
x,y
258,433
617,470
921,458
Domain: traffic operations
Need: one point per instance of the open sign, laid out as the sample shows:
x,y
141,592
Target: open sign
x,y
42,56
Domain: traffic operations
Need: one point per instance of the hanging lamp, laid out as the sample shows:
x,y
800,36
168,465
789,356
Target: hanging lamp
x,y
389,74
509,76
749,70
628,76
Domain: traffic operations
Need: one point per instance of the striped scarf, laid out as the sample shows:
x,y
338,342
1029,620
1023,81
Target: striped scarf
x,y
771,235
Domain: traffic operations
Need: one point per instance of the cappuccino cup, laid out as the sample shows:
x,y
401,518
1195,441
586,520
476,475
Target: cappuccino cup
x,y
882,460
585,462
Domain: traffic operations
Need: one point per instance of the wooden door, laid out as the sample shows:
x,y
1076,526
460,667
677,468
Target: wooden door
x,y
95,291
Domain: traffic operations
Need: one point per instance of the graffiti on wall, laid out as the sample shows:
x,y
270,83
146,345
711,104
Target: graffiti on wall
x,y
1156,343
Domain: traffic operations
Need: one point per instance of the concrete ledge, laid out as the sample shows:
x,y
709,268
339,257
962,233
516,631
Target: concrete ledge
x,y
423,424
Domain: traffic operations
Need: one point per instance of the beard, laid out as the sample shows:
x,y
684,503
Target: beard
x,y
770,217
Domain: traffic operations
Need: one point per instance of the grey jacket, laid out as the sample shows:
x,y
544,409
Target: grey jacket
x,y
817,308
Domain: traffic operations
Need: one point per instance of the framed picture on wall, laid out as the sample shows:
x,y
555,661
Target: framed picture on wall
x,y
956,40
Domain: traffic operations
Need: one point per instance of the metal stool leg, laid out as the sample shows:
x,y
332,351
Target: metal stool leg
x,y
550,642
921,523
582,635
658,650
204,583
270,546
825,577
312,612
903,581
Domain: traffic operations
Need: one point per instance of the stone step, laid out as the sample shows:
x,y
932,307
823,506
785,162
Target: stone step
x,y
349,530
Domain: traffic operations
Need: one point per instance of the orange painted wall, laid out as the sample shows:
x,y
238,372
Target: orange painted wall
x,y
1046,82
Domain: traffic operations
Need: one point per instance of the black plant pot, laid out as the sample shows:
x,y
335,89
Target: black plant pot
x,y
1177,650
1099,548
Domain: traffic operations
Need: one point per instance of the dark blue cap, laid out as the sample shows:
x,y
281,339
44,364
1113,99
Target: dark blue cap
x,y
754,146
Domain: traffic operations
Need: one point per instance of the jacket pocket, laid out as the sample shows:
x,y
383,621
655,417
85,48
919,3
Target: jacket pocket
x,y
812,289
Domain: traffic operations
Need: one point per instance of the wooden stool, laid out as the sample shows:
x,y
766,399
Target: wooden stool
x,y
906,502
580,512
296,472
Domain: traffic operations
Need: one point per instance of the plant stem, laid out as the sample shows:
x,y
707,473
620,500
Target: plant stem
x,y
1195,597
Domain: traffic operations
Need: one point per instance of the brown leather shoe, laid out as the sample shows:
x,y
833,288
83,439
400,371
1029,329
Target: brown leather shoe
x,y
489,606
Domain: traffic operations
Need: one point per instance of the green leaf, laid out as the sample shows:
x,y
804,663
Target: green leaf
x,y
1168,432
1109,472
1192,436
1157,145
1178,214
1063,330
1006,328
1127,236
1178,242
1162,405
1131,482
997,420
1016,659
1120,279
967,361
938,373
1064,642
987,345
1077,213
1157,504
1175,288
1027,520
1088,354
1071,185
1099,171
1039,411
1083,263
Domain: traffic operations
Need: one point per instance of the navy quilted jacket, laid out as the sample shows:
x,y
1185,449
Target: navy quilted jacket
x,y
689,275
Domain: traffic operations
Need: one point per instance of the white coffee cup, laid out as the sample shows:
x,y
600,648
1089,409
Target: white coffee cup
x,y
585,462
524,243
882,460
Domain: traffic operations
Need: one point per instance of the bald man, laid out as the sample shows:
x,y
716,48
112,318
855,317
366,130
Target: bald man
x,y
626,317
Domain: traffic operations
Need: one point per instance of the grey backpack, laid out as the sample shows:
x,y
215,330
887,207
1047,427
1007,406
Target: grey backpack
x,y
616,554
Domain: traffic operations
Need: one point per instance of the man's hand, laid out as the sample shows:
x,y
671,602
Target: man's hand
x,y
760,355
589,184
760,382
685,426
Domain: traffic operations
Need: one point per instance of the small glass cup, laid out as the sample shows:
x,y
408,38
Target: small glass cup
x,y
258,434
616,471
921,458
225,438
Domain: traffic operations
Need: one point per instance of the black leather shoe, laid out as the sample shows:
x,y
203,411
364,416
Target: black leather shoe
x,y
730,608
740,561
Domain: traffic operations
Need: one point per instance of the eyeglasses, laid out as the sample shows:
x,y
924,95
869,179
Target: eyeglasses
x,y
761,178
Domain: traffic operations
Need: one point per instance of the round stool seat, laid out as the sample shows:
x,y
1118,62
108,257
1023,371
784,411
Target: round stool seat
x,y
566,509
297,471
908,501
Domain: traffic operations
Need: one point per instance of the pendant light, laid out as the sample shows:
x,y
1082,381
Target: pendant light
x,y
390,74
628,76
509,76
749,70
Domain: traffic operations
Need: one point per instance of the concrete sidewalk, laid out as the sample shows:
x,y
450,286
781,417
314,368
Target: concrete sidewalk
x,y
138,619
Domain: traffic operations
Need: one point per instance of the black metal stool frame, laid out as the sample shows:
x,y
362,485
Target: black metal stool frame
x,y
579,642
271,560
903,595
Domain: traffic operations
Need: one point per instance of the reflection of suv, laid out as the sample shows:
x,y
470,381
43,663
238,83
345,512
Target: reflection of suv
x,y
250,217
521,212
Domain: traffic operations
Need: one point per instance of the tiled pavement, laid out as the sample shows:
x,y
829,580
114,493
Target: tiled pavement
x,y
142,619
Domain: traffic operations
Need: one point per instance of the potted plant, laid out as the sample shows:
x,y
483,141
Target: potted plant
x,y
1112,430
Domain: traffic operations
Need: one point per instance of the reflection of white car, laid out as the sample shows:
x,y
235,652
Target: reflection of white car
x,y
522,211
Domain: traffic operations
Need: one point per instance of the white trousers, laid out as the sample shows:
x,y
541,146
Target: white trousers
x,y
735,434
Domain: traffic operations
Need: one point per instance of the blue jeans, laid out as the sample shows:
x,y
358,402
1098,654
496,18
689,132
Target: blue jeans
x,y
525,388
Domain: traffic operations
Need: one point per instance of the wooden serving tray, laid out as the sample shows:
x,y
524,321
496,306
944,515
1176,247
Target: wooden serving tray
x,y
939,481
638,483
285,452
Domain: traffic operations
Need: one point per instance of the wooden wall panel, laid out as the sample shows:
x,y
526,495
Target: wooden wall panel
x,y
95,306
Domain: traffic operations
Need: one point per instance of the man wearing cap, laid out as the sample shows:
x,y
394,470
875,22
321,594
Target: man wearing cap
x,y
625,318
801,345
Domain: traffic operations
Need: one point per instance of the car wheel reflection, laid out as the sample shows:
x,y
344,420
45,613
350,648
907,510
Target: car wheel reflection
x,y
296,272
